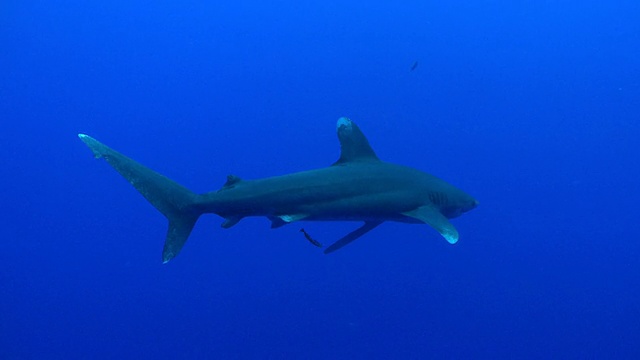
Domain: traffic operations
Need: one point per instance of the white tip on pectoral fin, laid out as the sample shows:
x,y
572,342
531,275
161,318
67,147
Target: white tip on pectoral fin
x,y
450,234
431,216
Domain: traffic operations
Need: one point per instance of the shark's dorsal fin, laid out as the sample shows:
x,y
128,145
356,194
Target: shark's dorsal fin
x,y
354,146
232,180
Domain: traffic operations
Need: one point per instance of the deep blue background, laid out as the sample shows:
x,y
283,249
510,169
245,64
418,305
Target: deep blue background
x,y
533,107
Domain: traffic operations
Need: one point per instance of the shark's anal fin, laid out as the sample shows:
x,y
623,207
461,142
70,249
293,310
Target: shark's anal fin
x,y
368,226
431,216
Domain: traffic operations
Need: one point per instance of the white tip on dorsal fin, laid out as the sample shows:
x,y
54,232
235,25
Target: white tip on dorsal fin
x,y
354,146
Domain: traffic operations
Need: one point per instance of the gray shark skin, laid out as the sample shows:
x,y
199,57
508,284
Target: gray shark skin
x,y
357,187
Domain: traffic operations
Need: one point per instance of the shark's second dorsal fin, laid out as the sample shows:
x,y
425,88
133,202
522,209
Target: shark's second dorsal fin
x,y
232,180
354,146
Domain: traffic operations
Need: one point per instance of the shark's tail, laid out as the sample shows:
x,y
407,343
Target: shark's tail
x,y
173,200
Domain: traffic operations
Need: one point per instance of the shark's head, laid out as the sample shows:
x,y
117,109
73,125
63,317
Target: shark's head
x,y
458,205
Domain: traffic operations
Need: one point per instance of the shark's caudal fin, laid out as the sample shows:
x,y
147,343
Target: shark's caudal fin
x,y
172,199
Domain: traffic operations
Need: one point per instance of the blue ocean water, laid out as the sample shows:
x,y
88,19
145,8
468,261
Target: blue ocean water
x,y
532,107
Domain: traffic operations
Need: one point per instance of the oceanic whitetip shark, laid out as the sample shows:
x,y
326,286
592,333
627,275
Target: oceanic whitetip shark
x,y
357,187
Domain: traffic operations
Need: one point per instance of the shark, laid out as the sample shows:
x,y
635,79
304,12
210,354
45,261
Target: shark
x,y
357,187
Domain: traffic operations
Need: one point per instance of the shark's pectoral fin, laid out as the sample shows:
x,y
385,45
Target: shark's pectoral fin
x,y
431,216
368,226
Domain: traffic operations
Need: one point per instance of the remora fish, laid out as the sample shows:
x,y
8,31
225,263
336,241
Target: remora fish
x,y
357,187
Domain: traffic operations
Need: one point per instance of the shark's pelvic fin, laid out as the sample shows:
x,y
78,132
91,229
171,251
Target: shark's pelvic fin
x,y
173,200
292,217
282,220
368,226
354,146
431,216
276,222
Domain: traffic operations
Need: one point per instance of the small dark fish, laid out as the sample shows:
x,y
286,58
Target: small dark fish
x,y
311,240
414,66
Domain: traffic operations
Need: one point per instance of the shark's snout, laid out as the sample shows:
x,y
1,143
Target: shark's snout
x,y
472,204
466,205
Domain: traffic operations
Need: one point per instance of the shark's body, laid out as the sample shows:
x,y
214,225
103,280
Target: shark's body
x,y
358,187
